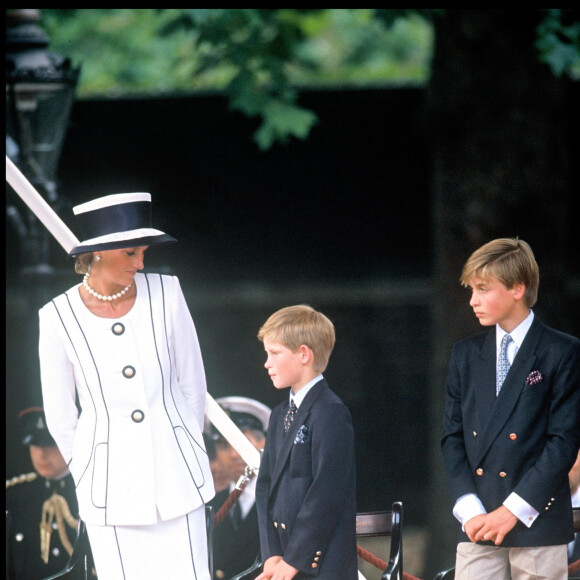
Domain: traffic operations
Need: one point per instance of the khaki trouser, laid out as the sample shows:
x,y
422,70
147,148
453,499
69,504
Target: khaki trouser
x,y
477,562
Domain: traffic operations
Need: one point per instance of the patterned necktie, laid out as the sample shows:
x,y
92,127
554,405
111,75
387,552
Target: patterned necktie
x,y
289,417
503,363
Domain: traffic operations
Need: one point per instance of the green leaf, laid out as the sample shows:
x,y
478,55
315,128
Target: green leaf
x,y
282,120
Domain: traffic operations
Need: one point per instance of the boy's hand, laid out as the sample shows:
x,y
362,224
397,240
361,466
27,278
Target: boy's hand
x,y
473,526
494,527
269,566
276,569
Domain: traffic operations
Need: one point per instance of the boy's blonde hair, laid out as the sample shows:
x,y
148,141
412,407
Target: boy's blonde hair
x,y
510,260
301,324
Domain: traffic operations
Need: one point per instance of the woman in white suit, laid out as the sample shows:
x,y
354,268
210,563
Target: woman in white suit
x,y
124,394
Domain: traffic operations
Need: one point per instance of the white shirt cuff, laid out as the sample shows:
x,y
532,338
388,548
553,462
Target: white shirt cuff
x,y
466,507
521,509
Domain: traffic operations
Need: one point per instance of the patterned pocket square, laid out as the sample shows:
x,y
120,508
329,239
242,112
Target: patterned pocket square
x,y
534,377
302,435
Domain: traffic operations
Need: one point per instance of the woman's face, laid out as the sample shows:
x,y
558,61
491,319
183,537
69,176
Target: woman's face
x,y
119,266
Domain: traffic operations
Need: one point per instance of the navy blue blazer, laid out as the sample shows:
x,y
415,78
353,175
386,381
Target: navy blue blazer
x,y
526,439
306,488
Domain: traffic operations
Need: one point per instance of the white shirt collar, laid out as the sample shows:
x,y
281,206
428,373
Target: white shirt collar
x,y
299,397
518,333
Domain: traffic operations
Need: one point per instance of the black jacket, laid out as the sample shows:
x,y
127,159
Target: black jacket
x,y
25,497
234,550
306,488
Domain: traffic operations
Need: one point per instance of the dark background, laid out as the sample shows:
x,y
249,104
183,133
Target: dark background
x,y
341,222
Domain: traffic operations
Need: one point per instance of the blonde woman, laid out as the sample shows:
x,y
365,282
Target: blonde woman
x,y
124,394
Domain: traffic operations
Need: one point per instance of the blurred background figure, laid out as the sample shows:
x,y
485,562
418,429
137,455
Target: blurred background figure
x,y
236,540
42,506
220,478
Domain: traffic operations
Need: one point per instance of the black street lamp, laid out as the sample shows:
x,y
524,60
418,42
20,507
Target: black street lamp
x,y
40,89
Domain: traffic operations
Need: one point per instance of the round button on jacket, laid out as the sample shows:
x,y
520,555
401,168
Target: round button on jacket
x,y
129,372
479,471
137,415
118,328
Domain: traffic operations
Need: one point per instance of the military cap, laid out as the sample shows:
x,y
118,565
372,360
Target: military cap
x,y
245,413
33,429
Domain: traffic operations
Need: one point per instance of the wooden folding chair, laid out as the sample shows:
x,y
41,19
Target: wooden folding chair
x,y
384,524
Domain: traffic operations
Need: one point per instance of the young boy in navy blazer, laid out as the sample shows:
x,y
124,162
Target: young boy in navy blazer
x,y
510,442
306,488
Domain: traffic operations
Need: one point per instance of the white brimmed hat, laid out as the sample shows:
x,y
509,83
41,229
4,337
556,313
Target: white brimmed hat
x,y
121,220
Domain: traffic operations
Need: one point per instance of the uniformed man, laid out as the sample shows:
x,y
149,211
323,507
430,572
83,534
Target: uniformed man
x,y
41,506
236,540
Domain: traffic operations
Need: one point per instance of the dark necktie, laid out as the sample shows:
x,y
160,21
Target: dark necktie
x,y
503,363
289,417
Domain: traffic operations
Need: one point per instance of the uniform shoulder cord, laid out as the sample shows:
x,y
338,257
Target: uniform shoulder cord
x,y
24,478
55,508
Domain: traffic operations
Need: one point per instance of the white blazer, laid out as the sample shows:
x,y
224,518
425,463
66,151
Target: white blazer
x,y
124,400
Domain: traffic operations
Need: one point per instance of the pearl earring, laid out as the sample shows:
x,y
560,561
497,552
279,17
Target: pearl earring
x,y
98,258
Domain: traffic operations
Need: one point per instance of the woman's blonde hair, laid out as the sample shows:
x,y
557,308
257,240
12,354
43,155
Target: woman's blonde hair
x,y
294,326
510,260
83,262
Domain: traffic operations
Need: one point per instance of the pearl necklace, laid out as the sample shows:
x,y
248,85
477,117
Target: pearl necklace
x,y
100,296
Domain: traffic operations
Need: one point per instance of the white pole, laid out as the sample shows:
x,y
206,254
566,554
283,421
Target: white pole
x,y
68,241
39,207
230,431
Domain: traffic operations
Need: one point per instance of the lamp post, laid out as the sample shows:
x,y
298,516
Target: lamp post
x,y
40,89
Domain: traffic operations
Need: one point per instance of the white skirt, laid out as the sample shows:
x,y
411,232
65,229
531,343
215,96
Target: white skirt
x,y
175,549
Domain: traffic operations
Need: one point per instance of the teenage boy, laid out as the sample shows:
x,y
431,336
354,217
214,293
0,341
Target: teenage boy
x,y
511,425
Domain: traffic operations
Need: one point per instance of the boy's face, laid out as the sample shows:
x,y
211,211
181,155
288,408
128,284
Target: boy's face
x,y
493,303
286,368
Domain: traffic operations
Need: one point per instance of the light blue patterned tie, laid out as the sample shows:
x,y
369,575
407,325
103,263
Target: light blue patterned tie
x,y
503,363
